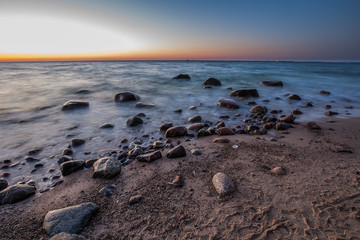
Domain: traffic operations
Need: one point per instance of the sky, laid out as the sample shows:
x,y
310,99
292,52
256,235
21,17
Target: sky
x,y
186,29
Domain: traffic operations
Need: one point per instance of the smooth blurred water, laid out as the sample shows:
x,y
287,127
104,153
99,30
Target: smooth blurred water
x,y
31,96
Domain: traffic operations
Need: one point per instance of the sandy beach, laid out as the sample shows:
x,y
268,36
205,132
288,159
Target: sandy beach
x,y
317,198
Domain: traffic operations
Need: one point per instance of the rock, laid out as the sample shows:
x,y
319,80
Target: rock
x,y
309,104
221,140
67,236
106,167
177,181
328,106
331,113
212,82
70,219
177,110
134,121
176,131
195,127
176,152
63,159
3,184
278,171
76,142
89,163
166,126
252,128
324,92
222,184
67,151
135,199
224,131
271,83
144,105
149,157
288,119
69,167
203,133
83,91
282,126
182,76
158,144
192,107
196,152
135,152
140,115
74,104
258,109
228,103
294,97
220,125
274,111
224,116
107,191
312,126
251,103
107,125
245,93
296,112
35,151
126,97
195,119
17,192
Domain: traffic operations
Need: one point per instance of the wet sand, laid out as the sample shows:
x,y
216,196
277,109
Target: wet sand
x,y
317,198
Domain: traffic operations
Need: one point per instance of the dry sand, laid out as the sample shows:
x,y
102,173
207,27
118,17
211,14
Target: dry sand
x,y
318,198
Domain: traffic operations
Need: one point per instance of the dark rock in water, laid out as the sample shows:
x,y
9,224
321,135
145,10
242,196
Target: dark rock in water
x,y
294,97
64,158
309,104
76,142
83,91
222,184
272,83
178,181
224,131
178,110
195,127
274,111
3,184
328,106
282,126
124,140
221,140
203,133
288,119
195,119
70,219
107,191
196,152
166,126
107,125
126,97
144,105
135,152
228,103
67,236
74,104
278,171
224,116
207,86
135,199
106,167
296,112
252,128
258,109
324,92
17,192
31,159
212,82
245,93
251,103
176,131
331,113
35,151
149,157
38,165
134,121
89,163
140,115
312,126
69,167
176,152
220,125
67,151
182,76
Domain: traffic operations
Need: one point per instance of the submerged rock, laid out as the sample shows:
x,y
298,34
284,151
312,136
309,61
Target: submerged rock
x,y
149,157
323,92
176,152
126,97
106,167
245,93
17,192
134,121
212,82
144,105
74,104
182,76
294,97
222,184
228,103
296,112
271,83
331,113
176,131
69,167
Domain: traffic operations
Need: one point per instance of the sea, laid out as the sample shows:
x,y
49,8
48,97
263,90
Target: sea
x,y
32,95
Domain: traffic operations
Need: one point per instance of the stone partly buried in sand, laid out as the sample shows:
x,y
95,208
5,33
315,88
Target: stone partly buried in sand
x,y
177,131
135,199
70,219
176,152
221,140
212,82
228,103
106,167
74,104
245,93
312,126
17,192
126,97
222,184
178,181
149,157
278,171
69,167
271,83
67,236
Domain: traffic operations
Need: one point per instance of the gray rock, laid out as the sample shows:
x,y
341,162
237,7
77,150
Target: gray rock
x,y
67,236
17,192
134,121
74,104
70,219
222,184
258,109
144,105
312,126
282,126
107,125
76,142
107,191
212,82
126,97
106,167
149,157
176,152
323,92
176,131
245,93
69,167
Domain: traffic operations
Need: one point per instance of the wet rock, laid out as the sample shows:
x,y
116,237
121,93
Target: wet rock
x,y
328,106
144,105
69,167
38,165
258,109
203,133
182,76
195,119
296,112
274,111
323,92
195,127
149,157
252,128
67,151
178,181
222,184
309,104
3,184
294,97
63,159
176,152
228,103
89,163
192,107
245,93
251,103
126,97
271,83
76,142
35,151
220,125
221,140
74,104
224,116
67,236
196,152
177,110
135,152
288,119
108,190
312,126
331,113
278,171
166,126
106,167
282,126
224,131
176,131
70,219
31,159
107,125
134,121
17,192
268,126
212,82
124,140
158,144
135,199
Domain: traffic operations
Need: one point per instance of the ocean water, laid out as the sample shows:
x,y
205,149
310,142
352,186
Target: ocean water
x,y
31,96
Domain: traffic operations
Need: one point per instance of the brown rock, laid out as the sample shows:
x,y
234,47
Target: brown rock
x,y
312,126
245,93
271,83
294,97
228,103
222,184
135,199
166,126
149,157
176,152
224,131
221,140
278,171
195,127
89,163
288,119
177,181
195,119
323,92
176,131
258,109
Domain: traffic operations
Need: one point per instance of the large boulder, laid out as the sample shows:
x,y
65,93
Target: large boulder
x,y
17,192
212,82
258,109
245,93
69,167
134,121
106,167
271,83
182,76
222,184
67,236
228,103
74,104
176,152
70,219
126,97
176,131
